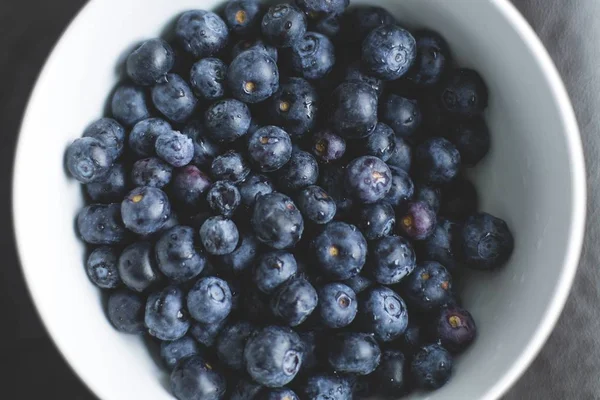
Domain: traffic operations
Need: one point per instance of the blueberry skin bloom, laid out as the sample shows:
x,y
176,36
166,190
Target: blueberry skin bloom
x,y
101,224
209,300
337,305
388,52
243,16
273,356
253,187
145,210
194,378
178,255
437,161
323,386
165,314
431,367
207,78
428,287
129,105
101,268
383,312
391,259
201,33
295,106
142,139
226,120
223,198
403,115
173,352
254,44
301,171
417,221
368,179
175,148
150,62
283,25
277,221
319,7
253,76
230,166
294,301
88,160
219,235
353,110
313,56
110,133
455,328
464,93
316,205
137,267
125,311
340,250
355,353
327,146
487,242
231,342
433,56
269,148
376,220
273,269
174,98
152,172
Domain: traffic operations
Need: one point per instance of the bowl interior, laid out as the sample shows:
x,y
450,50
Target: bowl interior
x,y
533,179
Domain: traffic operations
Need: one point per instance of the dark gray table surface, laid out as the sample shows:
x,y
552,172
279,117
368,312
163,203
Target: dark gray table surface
x,y
569,364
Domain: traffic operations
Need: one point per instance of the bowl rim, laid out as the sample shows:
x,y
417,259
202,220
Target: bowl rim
x,y
577,213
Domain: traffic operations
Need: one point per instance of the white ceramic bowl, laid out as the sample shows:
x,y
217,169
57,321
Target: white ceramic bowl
x,y
534,178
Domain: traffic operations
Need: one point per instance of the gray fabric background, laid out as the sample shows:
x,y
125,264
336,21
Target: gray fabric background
x,y
567,368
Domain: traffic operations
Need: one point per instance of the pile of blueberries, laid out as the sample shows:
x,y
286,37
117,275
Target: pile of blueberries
x,y
278,199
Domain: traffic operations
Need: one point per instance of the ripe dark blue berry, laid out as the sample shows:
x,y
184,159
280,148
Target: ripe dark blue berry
x,y
455,328
433,57
201,33
102,269
417,221
223,198
150,62
382,312
209,300
355,353
178,254
327,146
125,311
316,205
295,106
294,301
277,221
337,305
391,259
313,56
165,316
353,110
487,242
88,160
464,93
253,76
219,235
195,378
269,148
376,220
428,287
207,79
431,367
368,179
340,250
137,267
283,25
403,115
273,269
145,210
227,120
388,52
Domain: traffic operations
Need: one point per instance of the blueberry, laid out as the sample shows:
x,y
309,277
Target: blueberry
x,y
294,301
165,315
194,378
337,305
327,146
101,224
428,287
174,98
175,351
204,149
137,267
244,255
417,221
129,105
152,172
353,110
391,259
431,367
219,235
311,342
189,186
487,242
273,356
437,161
313,56
243,16
89,160
402,188
112,189
201,33
444,245
403,115
324,386
142,139
209,300
301,171
277,394
329,25
340,250
389,377
231,342
354,72
332,179
401,156
455,328
283,25
253,76
125,311
316,205
150,62
382,312
277,221
430,195
145,210
229,166
207,334
364,19
315,8
110,133
254,186
245,389
223,198
226,120
178,255
388,52
295,106
207,78
412,339
269,148
355,353
368,179
273,269
101,267
433,56
358,283
464,93
472,139
254,44
381,143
